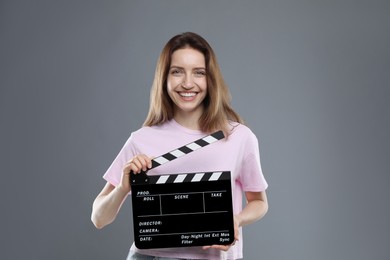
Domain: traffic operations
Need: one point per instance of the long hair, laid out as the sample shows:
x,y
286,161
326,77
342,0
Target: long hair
x,y
218,112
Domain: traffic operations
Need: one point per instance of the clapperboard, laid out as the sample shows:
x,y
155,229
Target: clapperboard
x,y
181,210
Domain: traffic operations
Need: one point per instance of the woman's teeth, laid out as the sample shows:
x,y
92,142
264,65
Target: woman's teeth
x,y
187,94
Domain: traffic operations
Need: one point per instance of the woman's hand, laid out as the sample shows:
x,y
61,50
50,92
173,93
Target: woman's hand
x,y
139,163
256,208
236,237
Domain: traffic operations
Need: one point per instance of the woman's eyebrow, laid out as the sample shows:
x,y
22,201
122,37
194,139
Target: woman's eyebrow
x,y
176,67
179,67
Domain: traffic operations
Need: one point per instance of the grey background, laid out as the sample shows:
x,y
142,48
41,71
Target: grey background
x,y
311,78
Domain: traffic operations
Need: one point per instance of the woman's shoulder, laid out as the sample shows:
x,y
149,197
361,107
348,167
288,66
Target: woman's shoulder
x,y
150,130
242,134
239,129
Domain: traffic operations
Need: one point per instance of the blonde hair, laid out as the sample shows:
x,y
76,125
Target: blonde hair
x,y
218,112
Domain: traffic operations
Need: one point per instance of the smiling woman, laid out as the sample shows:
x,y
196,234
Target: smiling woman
x,y
187,86
215,114
189,100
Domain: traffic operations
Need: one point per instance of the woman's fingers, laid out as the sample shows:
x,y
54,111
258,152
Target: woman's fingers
x,y
219,247
135,165
139,163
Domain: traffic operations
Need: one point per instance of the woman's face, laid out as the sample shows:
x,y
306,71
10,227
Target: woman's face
x,y
187,81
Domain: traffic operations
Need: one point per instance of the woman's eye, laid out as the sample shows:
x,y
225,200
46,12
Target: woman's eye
x,y
200,73
176,72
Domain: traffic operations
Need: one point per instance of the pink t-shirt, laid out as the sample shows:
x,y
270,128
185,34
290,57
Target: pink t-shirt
x,y
239,154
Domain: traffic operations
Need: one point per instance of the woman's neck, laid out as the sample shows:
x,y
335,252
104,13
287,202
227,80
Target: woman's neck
x,y
188,120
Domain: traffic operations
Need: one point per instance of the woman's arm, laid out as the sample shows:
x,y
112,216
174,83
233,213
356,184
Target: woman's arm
x,y
107,204
109,201
255,209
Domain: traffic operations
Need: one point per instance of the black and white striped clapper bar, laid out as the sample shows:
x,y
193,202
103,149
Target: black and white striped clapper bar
x,y
181,210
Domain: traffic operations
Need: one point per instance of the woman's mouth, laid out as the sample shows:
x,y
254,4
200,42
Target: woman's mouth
x,y
188,96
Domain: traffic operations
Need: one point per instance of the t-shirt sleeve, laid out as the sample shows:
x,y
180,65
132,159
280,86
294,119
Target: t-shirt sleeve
x,y
114,172
251,176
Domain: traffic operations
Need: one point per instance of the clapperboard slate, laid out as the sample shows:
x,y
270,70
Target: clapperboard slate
x,y
181,210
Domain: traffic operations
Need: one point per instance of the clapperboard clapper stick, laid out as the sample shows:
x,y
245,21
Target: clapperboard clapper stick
x,y
181,210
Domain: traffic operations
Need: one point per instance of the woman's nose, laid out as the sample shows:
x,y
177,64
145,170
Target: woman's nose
x,y
188,82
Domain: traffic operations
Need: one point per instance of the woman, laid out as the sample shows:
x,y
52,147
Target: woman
x,y
189,99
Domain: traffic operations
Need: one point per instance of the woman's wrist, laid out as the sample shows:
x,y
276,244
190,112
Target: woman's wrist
x,y
238,220
121,191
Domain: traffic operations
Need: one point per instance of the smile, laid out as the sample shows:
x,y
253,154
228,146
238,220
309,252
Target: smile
x,y
187,94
